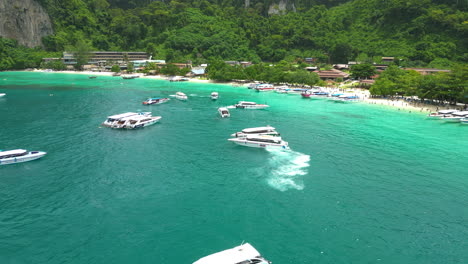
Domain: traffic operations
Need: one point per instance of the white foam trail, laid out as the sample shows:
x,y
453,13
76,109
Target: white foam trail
x,y
287,169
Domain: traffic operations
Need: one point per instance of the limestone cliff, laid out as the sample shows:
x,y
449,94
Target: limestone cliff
x,y
282,7
24,20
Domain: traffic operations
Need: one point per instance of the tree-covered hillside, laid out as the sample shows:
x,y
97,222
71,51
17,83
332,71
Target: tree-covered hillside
x,y
419,32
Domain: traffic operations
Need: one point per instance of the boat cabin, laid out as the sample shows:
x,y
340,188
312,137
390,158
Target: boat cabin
x,y
265,139
13,153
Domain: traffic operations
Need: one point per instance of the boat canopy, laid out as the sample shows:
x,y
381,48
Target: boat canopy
x,y
448,111
231,256
264,138
462,113
247,103
122,115
258,129
13,152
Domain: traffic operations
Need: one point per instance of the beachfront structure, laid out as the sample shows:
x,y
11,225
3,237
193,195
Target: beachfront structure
x,y
143,63
426,71
104,57
332,74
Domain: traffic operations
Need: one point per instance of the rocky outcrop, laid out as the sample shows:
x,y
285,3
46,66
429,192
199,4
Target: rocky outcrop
x,y
24,20
282,7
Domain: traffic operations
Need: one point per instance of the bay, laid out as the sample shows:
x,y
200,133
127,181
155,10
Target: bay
x,y
362,184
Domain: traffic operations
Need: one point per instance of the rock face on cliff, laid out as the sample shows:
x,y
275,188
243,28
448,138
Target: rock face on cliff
x,y
24,20
282,7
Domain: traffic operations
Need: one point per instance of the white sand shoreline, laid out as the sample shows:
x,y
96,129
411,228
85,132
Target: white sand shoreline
x,y
400,105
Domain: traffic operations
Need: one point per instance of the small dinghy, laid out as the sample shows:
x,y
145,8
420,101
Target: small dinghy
x,y
214,96
151,101
224,112
181,96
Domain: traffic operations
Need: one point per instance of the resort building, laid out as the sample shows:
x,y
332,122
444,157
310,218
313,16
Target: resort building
x,y
102,58
332,74
426,71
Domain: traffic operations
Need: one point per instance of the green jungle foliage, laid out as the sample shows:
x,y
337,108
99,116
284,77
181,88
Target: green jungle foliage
x,y
417,32
444,86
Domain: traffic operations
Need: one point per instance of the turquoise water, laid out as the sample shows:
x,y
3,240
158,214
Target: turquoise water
x,y
362,184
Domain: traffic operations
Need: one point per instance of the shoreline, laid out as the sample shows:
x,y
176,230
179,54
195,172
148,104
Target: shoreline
x,y
396,104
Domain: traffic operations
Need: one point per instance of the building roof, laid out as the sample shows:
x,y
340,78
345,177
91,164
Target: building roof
x,y
388,58
427,69
333,73
198,70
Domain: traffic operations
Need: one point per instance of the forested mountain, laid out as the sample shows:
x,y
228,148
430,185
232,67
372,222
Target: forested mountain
x,y
419,32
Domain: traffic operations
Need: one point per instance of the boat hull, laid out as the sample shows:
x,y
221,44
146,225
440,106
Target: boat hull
x,y
252,106
28,157
149,123
251,144
155,102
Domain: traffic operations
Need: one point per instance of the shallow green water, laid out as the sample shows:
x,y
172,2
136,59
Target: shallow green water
x,y
363,184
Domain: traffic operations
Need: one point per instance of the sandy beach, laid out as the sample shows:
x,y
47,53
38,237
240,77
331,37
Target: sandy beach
x,y
397,104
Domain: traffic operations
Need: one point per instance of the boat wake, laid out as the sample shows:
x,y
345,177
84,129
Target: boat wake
x,y
287,169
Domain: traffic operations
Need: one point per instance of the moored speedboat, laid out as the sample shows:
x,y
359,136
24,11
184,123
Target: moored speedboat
x,y
264,87
267,130
214,96
306,94
224,112
464,121
19,155
455,117
151,101
140,121
130,76
250,105
441,113
243,254
260,141
320,93
282,89
2,94
112,120
181,96
346,98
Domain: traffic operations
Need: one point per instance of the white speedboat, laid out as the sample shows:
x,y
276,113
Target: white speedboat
x,y
140,121
19,155
264,87
282,89
224,112
441,113
181,96
267,130
243,254
464,121
2,94
260,141
130,76
112,120
346,98
151,101
214,96
250,105
455,117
